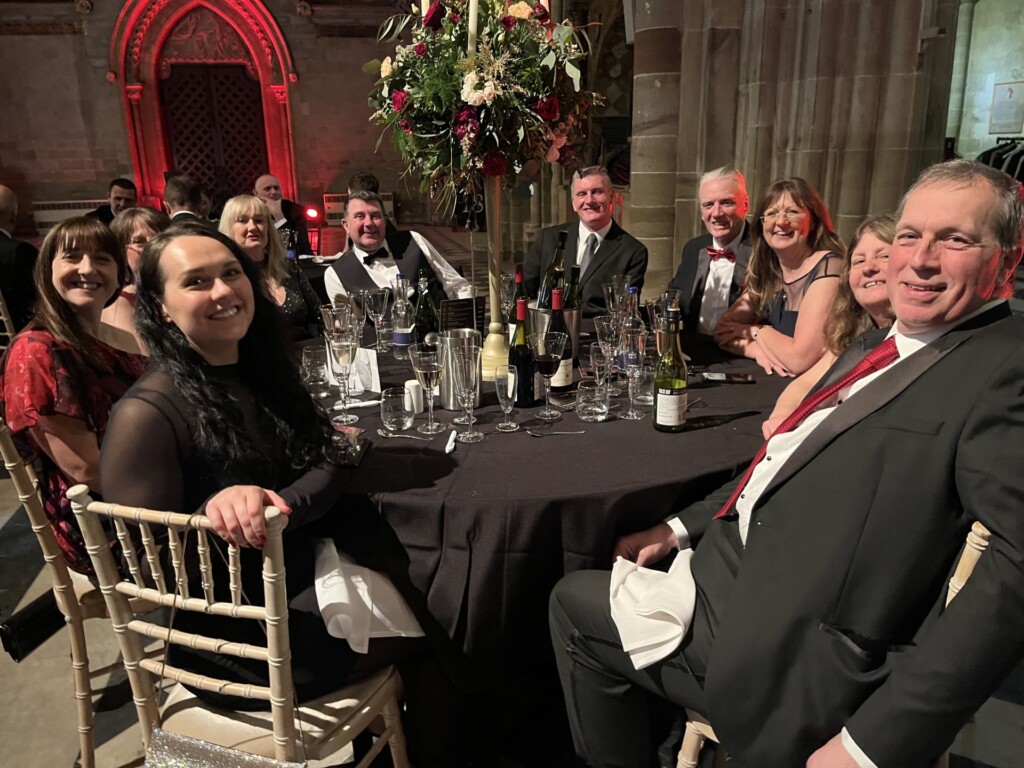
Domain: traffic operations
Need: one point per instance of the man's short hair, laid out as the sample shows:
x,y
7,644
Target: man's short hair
x,y
593,170
367,197
123,184
8,203
364,181
183,192
729,173
1006,216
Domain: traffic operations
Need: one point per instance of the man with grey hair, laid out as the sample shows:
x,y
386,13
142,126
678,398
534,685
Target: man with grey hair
x,y
714,265
804,613
17,262
596,244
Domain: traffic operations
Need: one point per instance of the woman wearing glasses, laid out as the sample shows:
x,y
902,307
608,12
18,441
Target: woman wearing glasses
x,y
133,228
779,319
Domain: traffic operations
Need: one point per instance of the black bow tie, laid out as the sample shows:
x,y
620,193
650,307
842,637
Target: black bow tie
x,y
380,253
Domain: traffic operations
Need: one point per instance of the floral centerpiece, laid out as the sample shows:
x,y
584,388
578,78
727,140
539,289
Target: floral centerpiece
x,y
505,108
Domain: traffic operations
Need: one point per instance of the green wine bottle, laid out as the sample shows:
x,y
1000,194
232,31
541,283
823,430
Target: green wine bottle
x,y
554,275
670,398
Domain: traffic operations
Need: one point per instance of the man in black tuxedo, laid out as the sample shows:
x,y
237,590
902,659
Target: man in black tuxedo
x,y
714,265
121,195
811,626
288,216
598,245
184,197
17,262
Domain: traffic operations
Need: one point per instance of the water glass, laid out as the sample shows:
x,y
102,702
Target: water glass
x,y
645,385
591,401
396,409
633,358
314,370
383,338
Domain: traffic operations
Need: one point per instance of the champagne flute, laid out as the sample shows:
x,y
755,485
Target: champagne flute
x,y
376,304
598,362
343,348
609,334
633,357
547,354
505,381
428,366
467,376
314,370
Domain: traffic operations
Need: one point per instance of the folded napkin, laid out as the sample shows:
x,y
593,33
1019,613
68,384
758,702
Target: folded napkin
x,y
356,603
652,609
364,376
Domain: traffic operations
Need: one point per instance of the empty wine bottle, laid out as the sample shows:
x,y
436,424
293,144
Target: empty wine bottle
x,y
427,318
554,275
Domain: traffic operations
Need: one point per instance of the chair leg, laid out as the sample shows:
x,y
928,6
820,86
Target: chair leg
x,y
396,738
689,753
83,694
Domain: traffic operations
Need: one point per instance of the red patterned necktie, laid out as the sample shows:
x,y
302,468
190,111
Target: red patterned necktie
x,y
723,253
875,360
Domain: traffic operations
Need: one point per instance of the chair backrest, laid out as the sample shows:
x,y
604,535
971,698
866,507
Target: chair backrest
x,y
7,329
186,538
26,485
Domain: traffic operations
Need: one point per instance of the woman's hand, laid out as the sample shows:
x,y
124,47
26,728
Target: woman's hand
x,y
764,358
733,330
237,513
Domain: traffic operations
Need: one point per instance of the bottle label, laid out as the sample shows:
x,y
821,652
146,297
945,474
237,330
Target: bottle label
x,y
401,338
563,376
670,407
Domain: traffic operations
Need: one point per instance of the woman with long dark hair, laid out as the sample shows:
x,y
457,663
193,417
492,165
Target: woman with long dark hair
x,y
793,273
61,376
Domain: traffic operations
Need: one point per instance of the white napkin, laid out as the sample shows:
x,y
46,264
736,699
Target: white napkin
x,y
356,603
652,609
364,376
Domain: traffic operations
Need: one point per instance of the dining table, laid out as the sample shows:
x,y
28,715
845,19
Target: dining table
x,y
491,527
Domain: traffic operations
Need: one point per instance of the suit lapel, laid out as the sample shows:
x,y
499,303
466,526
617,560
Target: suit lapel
x,y
878,393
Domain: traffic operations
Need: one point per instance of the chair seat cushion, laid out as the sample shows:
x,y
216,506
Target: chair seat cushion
x,y
324,725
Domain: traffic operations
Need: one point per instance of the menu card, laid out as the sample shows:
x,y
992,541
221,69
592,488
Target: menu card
x,y
459,313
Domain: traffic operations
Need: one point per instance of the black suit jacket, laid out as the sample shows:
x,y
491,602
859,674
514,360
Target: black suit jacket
x,y
296,219
692,274
103,213
833,614
17,263
620,254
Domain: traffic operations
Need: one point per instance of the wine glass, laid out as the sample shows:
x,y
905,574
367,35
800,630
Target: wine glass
x,y
609,333
467,376
343,348
508,287
428,366
335,315
633,359
506,379
598,362
314,370
547,354
376,304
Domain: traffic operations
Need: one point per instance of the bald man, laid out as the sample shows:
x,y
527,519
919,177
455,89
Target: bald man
x,y
17,262
287,214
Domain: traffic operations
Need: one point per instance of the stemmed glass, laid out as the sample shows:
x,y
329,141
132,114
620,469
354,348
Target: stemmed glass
x,y
343,346
598,362
467,376
547,354
633,358
506,379
376,304
428,366
314,370
609,333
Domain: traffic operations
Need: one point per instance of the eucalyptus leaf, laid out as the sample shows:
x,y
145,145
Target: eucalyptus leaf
x,y
372,67
574,72
562,33
549,60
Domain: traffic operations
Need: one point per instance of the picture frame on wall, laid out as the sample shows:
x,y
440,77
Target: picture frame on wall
x,y
1007,115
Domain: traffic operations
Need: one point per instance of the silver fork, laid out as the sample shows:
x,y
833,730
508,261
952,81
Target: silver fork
x,y
534,433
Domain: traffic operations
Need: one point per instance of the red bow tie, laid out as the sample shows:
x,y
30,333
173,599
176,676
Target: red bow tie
x,y
724,253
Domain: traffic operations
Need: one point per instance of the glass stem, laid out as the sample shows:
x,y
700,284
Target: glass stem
x,y
430,409
343,391
547,394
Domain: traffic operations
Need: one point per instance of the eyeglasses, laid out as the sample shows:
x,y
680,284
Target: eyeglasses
x,y
791,214
138,242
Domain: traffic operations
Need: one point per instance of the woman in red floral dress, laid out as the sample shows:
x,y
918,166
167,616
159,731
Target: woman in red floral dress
x,y
60,376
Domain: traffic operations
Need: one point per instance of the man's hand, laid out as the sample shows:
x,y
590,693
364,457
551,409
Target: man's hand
x,y
237,513
275,210
648,546
832,755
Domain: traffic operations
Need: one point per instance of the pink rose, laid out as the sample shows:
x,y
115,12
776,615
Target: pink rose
x,y
420,49
434,16
398,99
455,17
548,108
509,23
406,125
495,164
541,14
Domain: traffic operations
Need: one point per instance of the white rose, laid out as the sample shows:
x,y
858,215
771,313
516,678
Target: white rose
x,y
386,70
490,91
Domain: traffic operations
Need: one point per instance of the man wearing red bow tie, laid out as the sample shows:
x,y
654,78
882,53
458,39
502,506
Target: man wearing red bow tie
x,y
714,266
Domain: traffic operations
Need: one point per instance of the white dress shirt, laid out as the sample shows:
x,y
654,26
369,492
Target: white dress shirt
x,y
715,299
383,270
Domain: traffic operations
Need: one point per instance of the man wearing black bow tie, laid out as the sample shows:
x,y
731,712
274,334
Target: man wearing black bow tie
x,y
714,266
375,258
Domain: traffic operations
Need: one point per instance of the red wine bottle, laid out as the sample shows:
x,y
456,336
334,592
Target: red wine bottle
x,y
562,378
554,275
521,356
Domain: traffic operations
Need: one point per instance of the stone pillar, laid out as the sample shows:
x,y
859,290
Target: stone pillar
x,y
656,97
961,55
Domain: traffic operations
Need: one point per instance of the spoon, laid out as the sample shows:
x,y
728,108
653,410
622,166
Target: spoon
x,y
534,433
385,433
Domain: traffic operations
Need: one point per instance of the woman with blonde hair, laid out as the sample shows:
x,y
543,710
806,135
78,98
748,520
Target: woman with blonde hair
x,y
247,220
793,273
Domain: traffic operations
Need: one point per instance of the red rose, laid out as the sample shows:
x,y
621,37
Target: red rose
x,y
541,14
495,164
420,49
406,125
398,99
465,115
434,16
456,18
548,108
508,22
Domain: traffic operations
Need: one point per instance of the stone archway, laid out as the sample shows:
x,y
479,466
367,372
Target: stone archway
x,y
137,50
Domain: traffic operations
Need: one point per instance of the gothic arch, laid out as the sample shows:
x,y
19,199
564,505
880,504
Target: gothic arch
x,y
136,48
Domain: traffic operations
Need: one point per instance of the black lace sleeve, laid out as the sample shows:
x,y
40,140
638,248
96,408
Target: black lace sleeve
x,y
831,265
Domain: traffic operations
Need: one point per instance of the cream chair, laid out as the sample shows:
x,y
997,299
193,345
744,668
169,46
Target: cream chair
x,y
698,729
7,329
314,732
78,598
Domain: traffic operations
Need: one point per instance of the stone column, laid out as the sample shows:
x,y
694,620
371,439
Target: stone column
x,y
656,97
961,55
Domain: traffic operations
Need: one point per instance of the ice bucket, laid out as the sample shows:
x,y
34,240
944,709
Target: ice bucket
x,y
447,343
